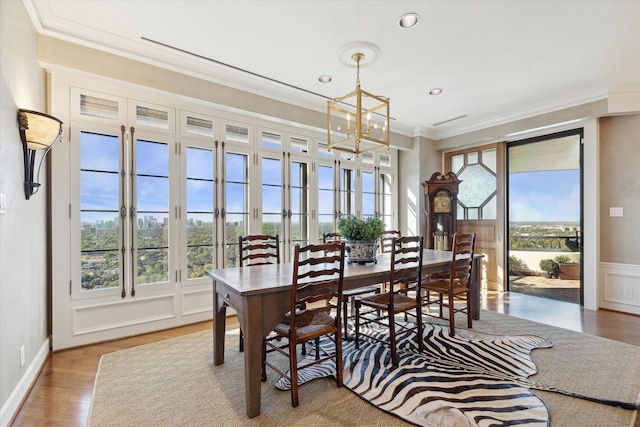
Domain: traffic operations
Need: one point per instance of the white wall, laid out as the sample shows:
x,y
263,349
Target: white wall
x,y
23,228
415,167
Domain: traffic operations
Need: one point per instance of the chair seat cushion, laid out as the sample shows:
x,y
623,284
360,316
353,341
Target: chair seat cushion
x,y
307,324
443,286
401,301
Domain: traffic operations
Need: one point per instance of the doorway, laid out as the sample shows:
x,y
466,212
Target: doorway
x,y
544,216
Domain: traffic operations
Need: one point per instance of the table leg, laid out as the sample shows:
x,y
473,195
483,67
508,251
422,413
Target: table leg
x,y
252,328
219,324
475,289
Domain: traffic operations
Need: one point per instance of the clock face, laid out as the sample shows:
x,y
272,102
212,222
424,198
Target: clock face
x,y
441,203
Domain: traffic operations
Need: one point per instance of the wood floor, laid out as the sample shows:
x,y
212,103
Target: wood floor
x,y
61,396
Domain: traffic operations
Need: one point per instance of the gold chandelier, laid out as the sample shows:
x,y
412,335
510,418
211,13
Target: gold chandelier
x,y
364,120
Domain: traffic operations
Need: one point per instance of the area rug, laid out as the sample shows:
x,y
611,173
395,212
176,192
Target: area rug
x,y
174,382
466,380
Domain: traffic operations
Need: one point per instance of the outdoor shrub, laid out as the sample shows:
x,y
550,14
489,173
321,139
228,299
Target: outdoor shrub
x,y
548,265
563,259
517,265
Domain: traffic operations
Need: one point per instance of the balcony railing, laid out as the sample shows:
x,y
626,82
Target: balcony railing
x,y
569,243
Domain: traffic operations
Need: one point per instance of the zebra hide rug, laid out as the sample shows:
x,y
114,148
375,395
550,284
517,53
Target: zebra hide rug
x,y
472,379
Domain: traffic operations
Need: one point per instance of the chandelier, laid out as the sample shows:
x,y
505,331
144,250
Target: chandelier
x,y
359,121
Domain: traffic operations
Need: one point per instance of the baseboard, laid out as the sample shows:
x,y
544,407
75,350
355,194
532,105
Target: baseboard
x,y
12,405
620,289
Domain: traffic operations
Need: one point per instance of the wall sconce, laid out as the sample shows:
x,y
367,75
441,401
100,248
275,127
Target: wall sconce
x,y
38,131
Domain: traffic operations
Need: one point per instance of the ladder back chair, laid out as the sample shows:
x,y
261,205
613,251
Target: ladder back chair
x,y
386,239
456,285
257,249
350,294
406,267
318,275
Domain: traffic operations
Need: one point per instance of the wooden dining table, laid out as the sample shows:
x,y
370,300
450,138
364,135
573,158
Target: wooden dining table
x,y
261,296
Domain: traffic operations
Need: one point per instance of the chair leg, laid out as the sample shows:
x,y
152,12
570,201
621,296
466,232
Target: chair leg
x,y
420,327
357,307
440,302
392,335
452,316
344,318
469,312
339,368
264,361
293,371
241,342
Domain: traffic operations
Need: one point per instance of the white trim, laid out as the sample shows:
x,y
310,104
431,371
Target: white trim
x,y
13,403
615,278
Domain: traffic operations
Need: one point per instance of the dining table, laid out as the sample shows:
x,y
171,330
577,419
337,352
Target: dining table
x,y
261,296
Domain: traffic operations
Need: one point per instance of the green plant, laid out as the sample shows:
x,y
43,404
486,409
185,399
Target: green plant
x,y
360,230
563,259
518,266
548,265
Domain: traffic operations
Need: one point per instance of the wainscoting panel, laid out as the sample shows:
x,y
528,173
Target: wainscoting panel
x,y
195,302
620,287
112,315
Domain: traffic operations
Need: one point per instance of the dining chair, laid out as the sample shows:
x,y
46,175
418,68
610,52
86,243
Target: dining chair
x,y
406,267
456,285
318,275
257,249
350,294
386,238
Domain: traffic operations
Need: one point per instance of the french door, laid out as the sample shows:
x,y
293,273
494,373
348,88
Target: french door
x,y
148,197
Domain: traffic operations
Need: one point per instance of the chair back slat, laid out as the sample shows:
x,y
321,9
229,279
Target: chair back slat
x,y
258,249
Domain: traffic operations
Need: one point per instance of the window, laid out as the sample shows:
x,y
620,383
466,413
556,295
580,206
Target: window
x,y
271,140
326,204
347,192
299,204
236,133
152,201
477,193
101,263
200,203
272,190
368,194
236,216
385,207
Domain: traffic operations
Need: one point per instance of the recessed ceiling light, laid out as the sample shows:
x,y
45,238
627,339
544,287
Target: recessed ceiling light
x,y
324,79
408,20
435,91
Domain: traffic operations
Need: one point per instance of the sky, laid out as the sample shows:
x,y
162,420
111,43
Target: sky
x,y
544,196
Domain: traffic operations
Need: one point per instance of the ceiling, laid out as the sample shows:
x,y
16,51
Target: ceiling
x,y
496,61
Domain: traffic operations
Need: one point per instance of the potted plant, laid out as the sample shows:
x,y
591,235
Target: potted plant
x,y
568,267
550,267
362,236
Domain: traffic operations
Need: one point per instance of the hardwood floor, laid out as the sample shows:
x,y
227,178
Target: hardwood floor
x,y
61,396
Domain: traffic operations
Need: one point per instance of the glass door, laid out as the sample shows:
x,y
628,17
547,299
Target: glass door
x,y
544,190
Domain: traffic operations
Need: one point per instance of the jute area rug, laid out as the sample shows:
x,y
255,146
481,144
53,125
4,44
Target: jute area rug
x,y
174,382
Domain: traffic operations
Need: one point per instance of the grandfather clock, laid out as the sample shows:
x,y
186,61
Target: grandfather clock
x,y
441,201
